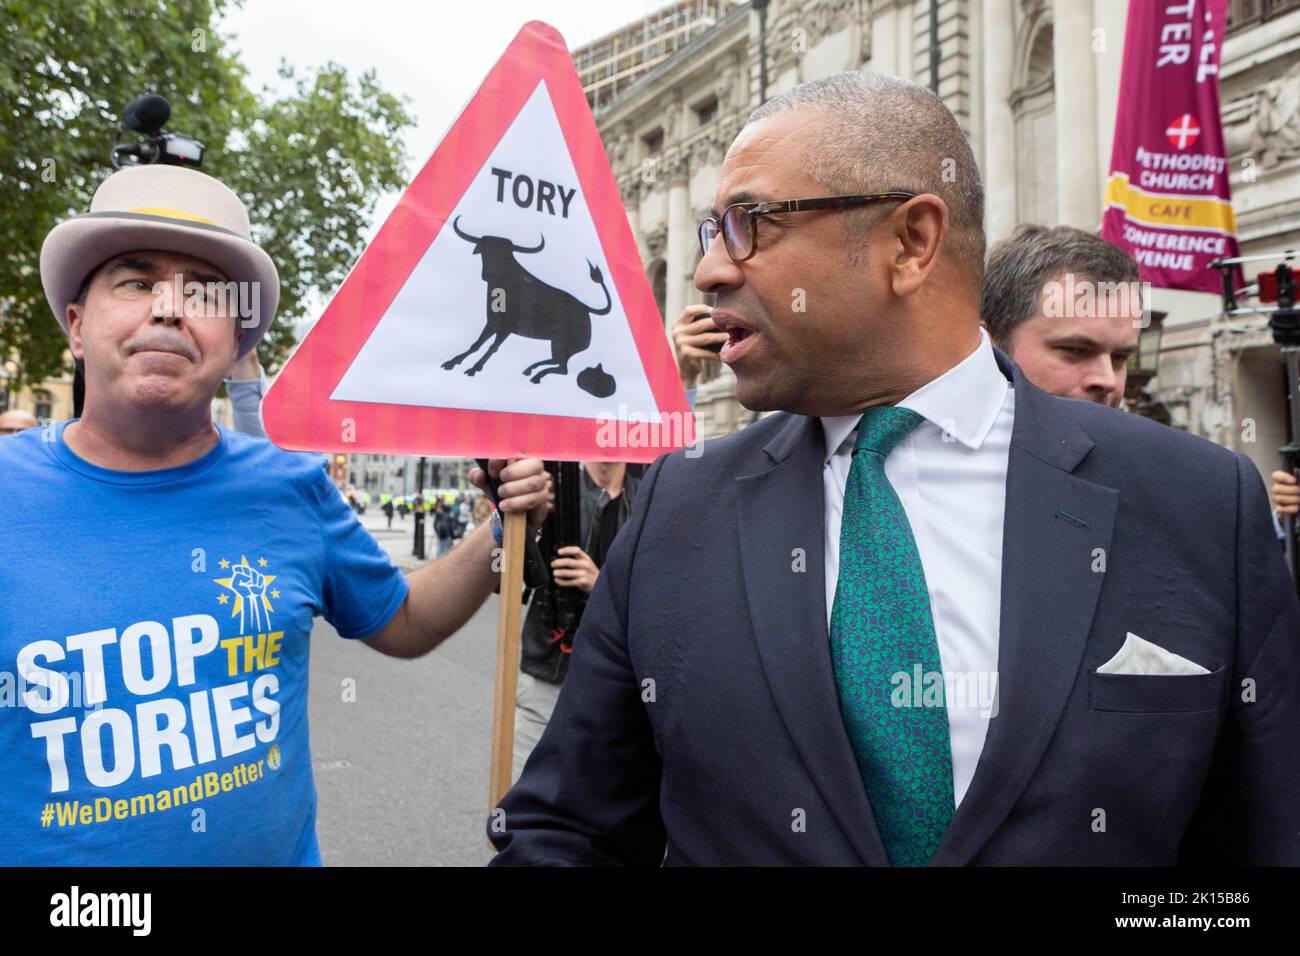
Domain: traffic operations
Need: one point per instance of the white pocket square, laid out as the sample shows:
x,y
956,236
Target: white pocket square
x,y
1141,657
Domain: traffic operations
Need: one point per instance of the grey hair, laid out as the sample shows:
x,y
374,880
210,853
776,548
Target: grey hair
x,y
891,134
1021,265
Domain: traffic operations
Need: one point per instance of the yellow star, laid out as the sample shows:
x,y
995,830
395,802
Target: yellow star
x,y
276,594
261,562
222,599
223,564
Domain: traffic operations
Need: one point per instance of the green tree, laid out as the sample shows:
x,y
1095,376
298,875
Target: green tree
x,y
309,163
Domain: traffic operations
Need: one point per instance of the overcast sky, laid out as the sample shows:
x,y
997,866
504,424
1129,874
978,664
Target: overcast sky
x,y
434,52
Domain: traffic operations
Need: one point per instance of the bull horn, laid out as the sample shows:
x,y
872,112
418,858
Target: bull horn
x,y
536,248
464,235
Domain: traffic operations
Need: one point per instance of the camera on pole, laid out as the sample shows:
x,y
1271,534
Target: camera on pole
x,y
147,115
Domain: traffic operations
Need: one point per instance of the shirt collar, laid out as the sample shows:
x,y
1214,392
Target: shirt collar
x,y
964,401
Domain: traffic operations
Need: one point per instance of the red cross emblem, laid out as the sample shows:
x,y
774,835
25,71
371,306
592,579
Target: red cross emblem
x,y
1183,131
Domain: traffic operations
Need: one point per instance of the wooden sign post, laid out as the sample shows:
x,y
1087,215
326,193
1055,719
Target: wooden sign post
x,y
503,706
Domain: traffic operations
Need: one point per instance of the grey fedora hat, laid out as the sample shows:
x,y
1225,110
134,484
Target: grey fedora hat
x,y
171,209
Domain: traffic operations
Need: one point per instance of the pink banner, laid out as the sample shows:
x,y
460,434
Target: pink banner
x,y
1167,199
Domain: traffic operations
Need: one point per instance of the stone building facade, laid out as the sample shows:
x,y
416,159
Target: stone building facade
x,y
1035,85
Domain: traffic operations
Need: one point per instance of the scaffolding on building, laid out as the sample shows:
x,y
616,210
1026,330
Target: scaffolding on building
x,y
615,61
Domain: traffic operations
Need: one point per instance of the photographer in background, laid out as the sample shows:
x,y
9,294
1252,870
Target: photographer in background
x,y
606,494
696,342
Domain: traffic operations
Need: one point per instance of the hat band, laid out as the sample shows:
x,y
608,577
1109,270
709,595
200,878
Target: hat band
x,y
175,218
171,214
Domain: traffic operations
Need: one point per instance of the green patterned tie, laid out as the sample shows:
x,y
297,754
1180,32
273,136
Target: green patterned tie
x,y
881,628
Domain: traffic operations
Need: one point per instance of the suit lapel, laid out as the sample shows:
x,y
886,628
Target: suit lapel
x,y
782,516
1053,526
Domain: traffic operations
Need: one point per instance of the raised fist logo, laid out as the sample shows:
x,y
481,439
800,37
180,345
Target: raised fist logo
x,y
249,586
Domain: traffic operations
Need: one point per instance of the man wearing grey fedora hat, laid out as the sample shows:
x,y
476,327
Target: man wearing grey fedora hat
x,y
157,666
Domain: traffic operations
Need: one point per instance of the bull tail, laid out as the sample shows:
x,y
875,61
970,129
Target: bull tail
x,y
597,277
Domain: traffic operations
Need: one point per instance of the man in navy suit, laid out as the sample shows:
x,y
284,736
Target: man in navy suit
x,y
930,614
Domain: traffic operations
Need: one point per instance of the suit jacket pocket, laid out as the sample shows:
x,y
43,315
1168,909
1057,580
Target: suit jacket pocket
x,y
1144,694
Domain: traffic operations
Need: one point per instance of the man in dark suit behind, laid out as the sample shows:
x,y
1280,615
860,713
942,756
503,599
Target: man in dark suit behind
x,y
930,614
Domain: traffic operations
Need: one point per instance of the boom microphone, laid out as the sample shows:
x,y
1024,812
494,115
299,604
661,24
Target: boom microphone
x,y
146,114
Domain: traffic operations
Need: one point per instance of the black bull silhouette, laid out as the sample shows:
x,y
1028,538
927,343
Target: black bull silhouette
x,y
530,308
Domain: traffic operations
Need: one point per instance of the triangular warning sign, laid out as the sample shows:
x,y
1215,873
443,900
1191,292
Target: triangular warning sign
x,y
502,310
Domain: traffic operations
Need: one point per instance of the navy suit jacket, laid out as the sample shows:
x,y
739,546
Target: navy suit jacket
x,y
699,723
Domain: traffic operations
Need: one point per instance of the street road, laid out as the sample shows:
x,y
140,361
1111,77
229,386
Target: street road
x,y
402,770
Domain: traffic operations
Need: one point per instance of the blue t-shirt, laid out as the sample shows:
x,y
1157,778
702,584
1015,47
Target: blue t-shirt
x,y
154,641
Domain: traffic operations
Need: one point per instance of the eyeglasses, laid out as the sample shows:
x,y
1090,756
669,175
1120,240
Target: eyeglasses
x,y
740,226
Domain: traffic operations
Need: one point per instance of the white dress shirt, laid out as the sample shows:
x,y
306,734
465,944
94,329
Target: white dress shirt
x,y
950,475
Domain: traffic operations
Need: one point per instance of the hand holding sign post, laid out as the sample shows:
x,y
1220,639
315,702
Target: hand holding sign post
x,y
501,311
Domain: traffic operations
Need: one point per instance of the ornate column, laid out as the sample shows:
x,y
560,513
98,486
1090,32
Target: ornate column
x,y
681,232
1112,20
884,39
675,170
1078,194
903,43
998,162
